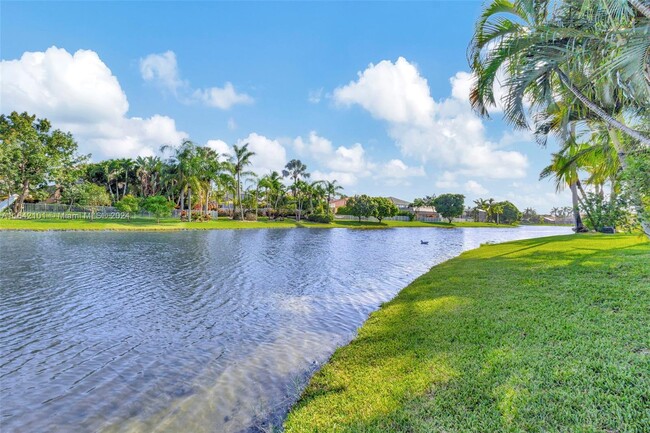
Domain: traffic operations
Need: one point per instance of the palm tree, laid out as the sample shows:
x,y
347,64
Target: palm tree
x,y
148,171
331,188
481,204
296,170
592,54
209,168
241,160
272,183
187,163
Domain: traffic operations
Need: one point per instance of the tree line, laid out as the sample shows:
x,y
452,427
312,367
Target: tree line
x,y
38,163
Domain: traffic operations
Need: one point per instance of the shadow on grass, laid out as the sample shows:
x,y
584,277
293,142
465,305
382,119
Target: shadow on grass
x,y
490,341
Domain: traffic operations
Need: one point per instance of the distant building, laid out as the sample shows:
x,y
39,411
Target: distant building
x,y
425,212
336,204
401,204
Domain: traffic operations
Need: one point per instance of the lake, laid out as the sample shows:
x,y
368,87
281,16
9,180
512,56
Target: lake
x,y
196,331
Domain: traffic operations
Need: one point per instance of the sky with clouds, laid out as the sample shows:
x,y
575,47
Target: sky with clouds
x,y
372,94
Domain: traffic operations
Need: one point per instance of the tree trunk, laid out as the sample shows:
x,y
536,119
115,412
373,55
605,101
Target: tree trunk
x,y
579,226
241,207
607,118
182,201
20,201
126,183
641,7
189,204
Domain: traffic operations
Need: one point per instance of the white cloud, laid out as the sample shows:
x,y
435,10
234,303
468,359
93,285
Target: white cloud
x,y
397,169
446,132
162,69
350,160
345,164
222,97
314,145
78,93
348,164
447,180
232,125
220,146
270,155
390,91
473,187
344,179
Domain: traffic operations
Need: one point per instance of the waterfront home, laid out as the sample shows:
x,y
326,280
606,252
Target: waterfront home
x,y
336,204
401,204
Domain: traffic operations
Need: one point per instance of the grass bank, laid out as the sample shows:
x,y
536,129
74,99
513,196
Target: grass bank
x,y
542,335
149,224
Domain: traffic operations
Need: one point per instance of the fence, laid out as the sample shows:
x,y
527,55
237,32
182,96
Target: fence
x,y
43,208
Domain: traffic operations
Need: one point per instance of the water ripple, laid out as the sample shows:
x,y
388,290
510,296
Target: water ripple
x,y
192,331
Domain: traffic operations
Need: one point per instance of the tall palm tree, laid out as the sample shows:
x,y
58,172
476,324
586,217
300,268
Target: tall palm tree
x,y
187,165
241,160
209,168
595,54
331,188
296,170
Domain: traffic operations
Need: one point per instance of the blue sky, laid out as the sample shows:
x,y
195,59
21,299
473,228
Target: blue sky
x,y
361,91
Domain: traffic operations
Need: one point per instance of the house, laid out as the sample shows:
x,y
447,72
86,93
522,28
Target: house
x,y
425,212
401,204
336,204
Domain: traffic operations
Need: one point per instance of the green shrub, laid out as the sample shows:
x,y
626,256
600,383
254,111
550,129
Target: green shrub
x,y
321,218
406,213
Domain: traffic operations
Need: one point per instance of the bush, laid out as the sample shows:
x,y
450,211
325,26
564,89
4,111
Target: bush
x,y
250,216
321,218
406,213
344,210
158,205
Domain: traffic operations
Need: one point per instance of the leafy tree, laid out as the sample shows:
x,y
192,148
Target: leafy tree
x,y
385,208
93,196
158,205
636,181
129,205
603,212
31,155
450,206
362,206
510,213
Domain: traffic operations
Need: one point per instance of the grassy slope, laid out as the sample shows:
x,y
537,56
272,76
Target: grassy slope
x,y
222,223
542,335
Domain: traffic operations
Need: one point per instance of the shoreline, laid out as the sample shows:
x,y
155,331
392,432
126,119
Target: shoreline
x,y
505,308
167,225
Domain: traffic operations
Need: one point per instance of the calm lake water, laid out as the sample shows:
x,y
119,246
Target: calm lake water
x,y
212,331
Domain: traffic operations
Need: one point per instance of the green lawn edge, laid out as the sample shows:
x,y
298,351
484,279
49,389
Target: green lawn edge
x,y
168,224
544,335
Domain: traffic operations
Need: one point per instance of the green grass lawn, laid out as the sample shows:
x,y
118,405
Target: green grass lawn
x,y
542,335
221,223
